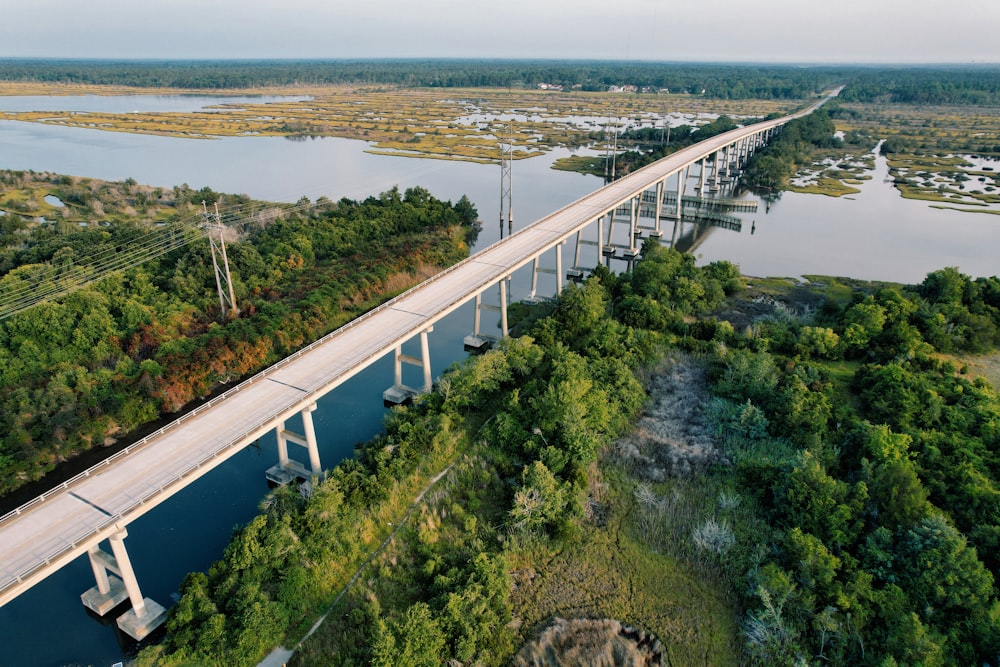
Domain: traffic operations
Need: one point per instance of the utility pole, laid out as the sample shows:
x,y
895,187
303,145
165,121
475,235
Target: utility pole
x,y
223,279
611,149
506,180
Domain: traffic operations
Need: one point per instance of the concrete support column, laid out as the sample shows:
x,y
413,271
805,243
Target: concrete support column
x,y
126,572
309,431
145,615
399,393
398,366
477,340
559,267
682,177
534,278
701,176
503,307
100,572
576,251
633,221
659,203
282,444
477,317
600,238
425,355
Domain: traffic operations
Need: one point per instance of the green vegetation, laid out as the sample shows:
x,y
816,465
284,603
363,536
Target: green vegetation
x,y
954,86
85,370
720,81
851,478
771,167
525,423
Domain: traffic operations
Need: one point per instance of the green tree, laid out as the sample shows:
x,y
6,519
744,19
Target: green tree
x,y
418,641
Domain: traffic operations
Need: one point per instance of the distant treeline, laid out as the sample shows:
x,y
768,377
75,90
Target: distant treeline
x,y
931,85
943,85
726,81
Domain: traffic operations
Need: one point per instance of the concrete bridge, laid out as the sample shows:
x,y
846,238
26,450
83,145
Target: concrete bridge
x,y
78,516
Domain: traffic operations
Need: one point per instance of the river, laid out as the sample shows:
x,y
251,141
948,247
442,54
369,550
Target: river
x,y
873,235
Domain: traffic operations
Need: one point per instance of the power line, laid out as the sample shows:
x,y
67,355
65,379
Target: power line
x,y
54,281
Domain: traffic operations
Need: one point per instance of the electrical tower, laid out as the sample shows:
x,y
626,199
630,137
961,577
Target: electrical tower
x,y
610,149
506,182
223,280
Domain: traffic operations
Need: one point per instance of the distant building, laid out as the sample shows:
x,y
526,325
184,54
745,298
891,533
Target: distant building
x,y
550,86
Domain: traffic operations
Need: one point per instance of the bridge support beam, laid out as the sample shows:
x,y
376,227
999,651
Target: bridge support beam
x,y
660,187
288,470
400,393
557,272
701,176
575,272
116,581
633,227
602,249
477,340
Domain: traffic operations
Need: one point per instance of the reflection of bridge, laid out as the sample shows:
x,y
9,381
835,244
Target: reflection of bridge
x,y
74,518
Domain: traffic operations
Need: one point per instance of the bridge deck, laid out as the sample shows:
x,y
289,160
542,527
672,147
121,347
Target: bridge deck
x,y
46,533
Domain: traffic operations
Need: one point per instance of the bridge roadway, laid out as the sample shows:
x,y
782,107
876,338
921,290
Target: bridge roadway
x,y
48,532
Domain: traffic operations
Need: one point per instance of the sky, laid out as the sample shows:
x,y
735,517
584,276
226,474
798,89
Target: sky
x,y
785,31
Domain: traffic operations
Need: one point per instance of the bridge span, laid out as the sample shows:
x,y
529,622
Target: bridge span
x,y
76,517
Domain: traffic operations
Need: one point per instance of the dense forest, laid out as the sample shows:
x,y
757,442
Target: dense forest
x,y
726,81
856,470
956,85
86,369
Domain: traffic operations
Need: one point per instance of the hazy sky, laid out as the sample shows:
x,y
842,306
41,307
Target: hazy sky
x,y
903,31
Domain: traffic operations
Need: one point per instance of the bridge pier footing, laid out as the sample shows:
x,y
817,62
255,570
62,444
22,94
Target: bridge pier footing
x,y
145,616
477,341
399,393
288,470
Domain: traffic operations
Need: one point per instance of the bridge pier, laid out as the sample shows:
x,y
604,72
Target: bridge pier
x,y
629,249
112,589
557,272
288,470
400,393
716,172
660,187
575,273
477,340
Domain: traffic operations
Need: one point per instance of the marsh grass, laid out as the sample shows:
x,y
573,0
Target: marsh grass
x,y
404,122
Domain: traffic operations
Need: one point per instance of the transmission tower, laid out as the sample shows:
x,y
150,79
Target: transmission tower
x,y
214,228
610,148
506,182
